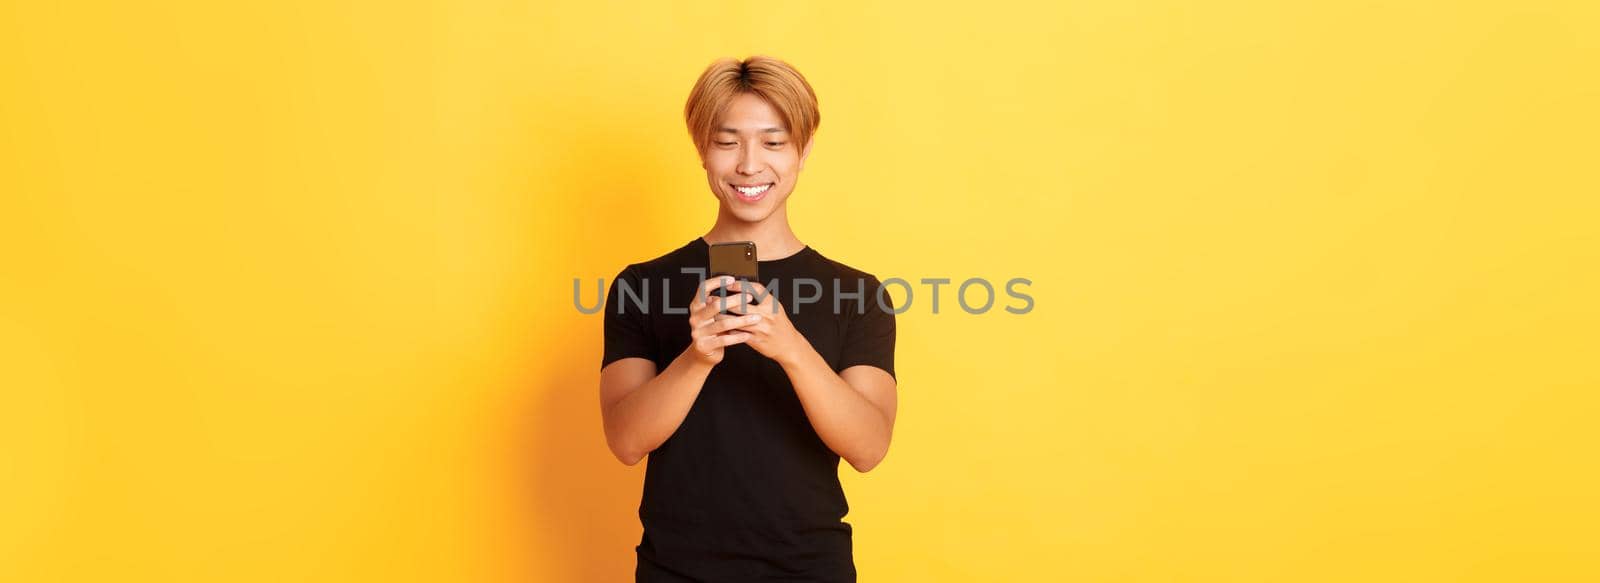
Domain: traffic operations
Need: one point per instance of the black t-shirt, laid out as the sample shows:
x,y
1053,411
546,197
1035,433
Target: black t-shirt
x,y
745,490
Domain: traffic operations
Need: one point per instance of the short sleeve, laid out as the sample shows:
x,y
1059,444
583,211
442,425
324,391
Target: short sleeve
x,y
869,336
627,322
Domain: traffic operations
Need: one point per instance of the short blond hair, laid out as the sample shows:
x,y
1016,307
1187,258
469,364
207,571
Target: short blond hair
x,y
770,79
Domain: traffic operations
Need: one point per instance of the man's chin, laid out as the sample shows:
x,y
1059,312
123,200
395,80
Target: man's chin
x,y
749,214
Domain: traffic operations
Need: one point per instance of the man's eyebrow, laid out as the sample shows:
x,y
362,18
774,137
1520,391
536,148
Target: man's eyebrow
x,y
763,130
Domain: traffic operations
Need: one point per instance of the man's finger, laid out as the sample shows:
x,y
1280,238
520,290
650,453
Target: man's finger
x,y
712,283
733,300
711,304
701,310
749,286
751,308
709,319
735,322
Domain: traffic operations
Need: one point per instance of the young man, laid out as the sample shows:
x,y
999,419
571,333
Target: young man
x,y
745,415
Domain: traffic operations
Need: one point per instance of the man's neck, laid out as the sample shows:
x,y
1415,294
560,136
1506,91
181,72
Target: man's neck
x,y
773,237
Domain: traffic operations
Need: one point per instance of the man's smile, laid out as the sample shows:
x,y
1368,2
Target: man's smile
x,y
753,193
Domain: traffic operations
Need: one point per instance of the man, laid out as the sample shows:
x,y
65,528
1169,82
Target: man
x,y
745,415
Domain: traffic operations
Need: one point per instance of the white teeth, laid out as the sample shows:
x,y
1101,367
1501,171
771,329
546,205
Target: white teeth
x,y
755,190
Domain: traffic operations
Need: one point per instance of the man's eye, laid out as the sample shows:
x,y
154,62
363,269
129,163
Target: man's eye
x,y
776,143
724,143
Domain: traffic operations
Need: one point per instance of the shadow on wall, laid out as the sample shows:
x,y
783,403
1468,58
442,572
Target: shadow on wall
x,y
583,503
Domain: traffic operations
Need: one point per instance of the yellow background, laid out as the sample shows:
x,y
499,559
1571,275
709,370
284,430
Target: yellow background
x,y
287,285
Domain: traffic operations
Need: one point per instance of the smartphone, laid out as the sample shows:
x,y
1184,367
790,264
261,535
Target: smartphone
x,y
737,259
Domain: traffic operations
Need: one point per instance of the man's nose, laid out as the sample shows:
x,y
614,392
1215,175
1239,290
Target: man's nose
x,y
748,163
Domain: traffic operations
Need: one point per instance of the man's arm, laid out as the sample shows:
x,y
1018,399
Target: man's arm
x,y
852,411
641,409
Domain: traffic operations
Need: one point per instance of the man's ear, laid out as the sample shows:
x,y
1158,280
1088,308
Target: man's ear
x,y
806,151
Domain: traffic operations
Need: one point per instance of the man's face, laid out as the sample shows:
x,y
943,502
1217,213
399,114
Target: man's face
x,y
752,162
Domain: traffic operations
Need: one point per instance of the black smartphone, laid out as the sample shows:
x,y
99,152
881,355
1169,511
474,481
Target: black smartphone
x,y
737,259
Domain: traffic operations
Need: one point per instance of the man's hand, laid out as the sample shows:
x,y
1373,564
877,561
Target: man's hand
x,y
711,330
771,334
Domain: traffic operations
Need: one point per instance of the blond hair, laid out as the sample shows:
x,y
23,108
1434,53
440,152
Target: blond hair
x,y
770,79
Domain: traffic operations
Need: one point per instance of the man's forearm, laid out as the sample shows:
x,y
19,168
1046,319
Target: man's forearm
x,y
644,419
846,421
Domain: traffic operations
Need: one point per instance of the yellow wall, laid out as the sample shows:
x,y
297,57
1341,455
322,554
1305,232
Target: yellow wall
x,y
286,288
